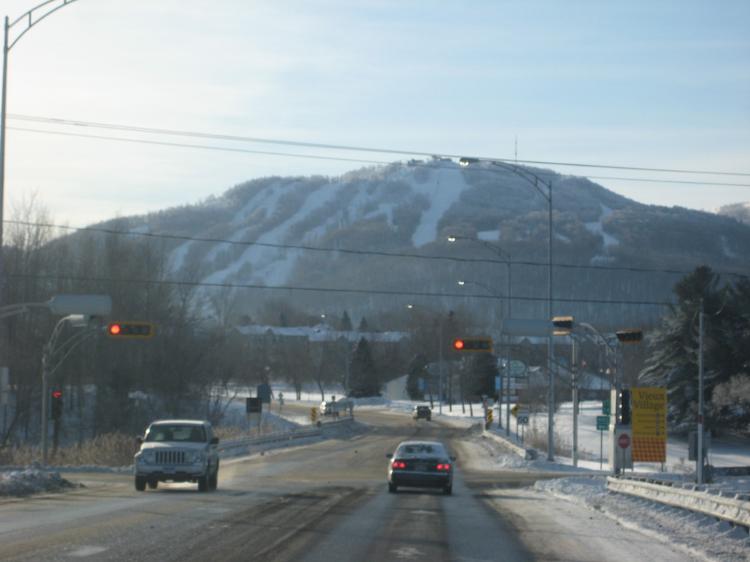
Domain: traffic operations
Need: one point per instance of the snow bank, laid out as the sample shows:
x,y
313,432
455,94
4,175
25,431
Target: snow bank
x,y
693,533
32,481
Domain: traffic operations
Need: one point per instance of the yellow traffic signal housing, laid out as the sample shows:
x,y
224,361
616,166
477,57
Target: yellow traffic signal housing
x,y
131,330
562,325
476,345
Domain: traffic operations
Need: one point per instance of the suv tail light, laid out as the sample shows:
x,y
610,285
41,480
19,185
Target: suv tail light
x,y
398,464
444,466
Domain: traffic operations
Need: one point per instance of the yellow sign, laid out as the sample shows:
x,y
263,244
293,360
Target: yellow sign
x,y
649,417
514,410
313,414
489,415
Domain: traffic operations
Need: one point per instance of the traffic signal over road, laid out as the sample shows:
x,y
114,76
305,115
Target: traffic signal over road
x,y
56,405
562,325
480,345
629,336
132,330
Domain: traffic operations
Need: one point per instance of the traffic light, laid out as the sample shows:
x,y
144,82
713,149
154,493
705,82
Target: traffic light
x,y
130,330
562,325
623,397
56,405
481,345
629,336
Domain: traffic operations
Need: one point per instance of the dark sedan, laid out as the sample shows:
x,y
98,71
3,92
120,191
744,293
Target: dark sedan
x,y
420,464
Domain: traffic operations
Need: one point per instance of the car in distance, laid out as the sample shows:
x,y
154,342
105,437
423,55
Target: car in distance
x,y
177,451
422,413
421,464
336,407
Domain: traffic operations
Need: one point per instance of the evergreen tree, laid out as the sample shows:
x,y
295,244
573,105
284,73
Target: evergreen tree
x,y
345,324
480,376
363,375
416,371
673,348
363,326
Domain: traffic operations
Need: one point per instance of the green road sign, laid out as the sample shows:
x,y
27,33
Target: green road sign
x,y
602,423
606,407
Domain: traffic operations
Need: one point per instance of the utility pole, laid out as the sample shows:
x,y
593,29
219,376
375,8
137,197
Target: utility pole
x,y
574,380
699,438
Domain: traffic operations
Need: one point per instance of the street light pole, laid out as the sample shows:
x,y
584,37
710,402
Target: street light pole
x,y
503,314
533,179
506,257
27,19
3,104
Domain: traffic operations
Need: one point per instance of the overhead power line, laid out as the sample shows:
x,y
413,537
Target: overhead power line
x,y
335,290
282,142
331,158
353,251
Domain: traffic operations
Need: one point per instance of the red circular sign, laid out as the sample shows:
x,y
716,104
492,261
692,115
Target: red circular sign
x,y
624,441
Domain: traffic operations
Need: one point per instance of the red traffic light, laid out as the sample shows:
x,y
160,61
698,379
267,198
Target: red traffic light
x,y
57,394
125,330
480,344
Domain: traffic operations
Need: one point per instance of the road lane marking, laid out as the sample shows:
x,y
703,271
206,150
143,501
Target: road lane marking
x,y
85,551
407,553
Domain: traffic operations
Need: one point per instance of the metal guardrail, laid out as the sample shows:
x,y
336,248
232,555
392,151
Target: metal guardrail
x,y
526,454
711,502
279,436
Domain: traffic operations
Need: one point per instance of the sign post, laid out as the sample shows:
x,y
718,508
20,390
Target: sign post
x,y
602,425
254,410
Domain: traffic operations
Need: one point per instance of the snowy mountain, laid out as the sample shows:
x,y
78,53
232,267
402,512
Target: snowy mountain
x,y
412,207
739,211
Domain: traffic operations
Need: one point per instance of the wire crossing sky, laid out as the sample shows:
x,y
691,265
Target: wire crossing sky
x,y
643,84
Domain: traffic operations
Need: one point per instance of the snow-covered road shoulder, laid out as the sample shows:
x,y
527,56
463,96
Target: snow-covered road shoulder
x,y
694,533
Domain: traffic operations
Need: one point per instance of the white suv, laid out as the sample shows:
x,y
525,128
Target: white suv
x,y
177,451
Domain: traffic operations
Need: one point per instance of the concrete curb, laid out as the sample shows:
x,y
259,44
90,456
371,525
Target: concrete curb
x,y
734,510
526,454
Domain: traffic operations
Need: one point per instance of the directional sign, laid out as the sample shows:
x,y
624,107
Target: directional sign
x,y
649,419
517,368
606,407
602,423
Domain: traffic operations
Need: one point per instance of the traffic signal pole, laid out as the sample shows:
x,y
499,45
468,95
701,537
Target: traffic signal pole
x,y
45,403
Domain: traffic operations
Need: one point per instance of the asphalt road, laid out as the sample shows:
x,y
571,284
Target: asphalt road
x,y
322,502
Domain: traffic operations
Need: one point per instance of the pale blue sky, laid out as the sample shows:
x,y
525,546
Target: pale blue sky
x,y
646,83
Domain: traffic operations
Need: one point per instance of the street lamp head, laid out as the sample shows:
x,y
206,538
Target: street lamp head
x,y
452,238
460,283
409,306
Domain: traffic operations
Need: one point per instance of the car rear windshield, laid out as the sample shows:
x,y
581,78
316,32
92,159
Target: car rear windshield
x,y
170,432
420,449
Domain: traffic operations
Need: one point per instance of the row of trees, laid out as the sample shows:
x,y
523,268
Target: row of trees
x,y
197,360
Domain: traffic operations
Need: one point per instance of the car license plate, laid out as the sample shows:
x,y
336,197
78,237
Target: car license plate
x,y
169,469
421,467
